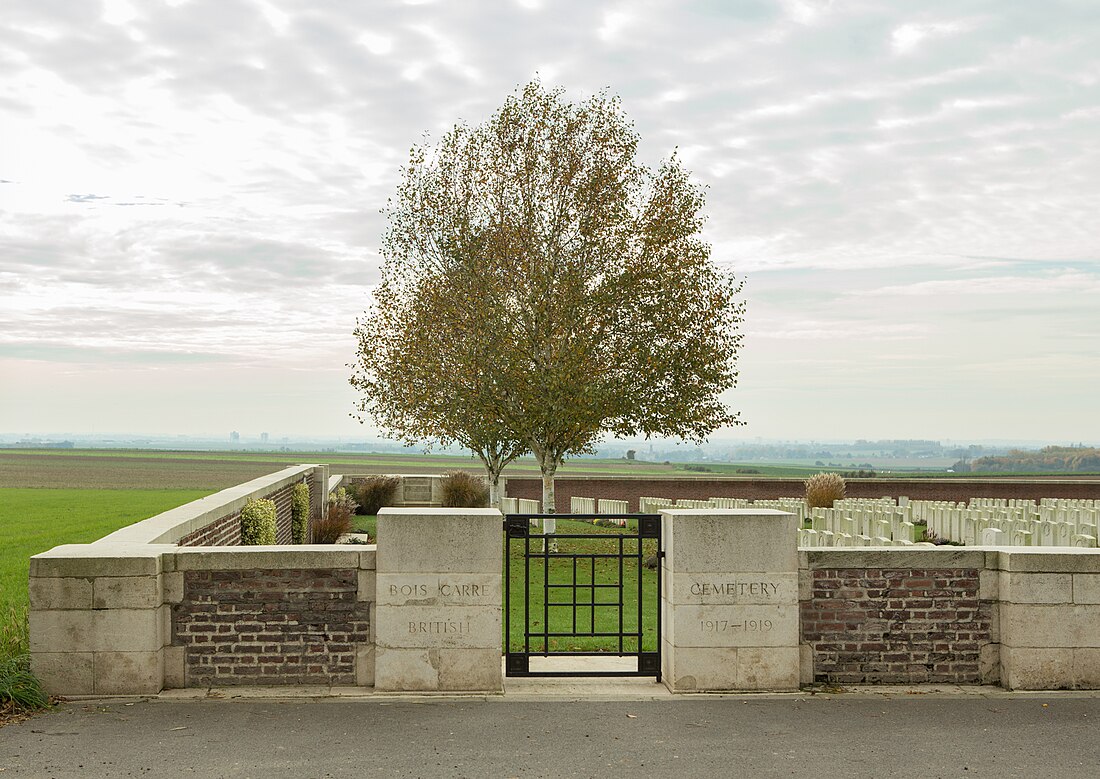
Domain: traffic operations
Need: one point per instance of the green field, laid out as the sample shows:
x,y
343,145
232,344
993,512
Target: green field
x,y
35,520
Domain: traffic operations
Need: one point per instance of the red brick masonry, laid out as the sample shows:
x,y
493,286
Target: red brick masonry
x,y
270,626
226,531
873,625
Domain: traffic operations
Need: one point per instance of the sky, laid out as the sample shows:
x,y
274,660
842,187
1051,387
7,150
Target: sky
x,y
190,195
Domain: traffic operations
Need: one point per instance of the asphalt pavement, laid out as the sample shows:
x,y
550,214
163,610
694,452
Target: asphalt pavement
x,y
900,733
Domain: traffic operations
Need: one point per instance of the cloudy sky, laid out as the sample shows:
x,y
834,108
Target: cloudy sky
x,y
190,195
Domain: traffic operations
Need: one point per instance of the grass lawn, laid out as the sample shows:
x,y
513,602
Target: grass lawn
x,y
589,616
34,520
366,524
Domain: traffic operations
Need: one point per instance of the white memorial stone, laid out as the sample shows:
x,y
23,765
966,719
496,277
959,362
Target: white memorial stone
x,y
438,608
730,600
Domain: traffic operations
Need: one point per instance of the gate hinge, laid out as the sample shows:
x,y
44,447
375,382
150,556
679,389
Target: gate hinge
x,y
660,554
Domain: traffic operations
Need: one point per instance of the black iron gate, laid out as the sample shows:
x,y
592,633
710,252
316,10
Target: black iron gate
x,y
590,594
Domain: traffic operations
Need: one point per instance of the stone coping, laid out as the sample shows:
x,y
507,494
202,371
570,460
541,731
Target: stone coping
x,y
172,525
136,559
1022,559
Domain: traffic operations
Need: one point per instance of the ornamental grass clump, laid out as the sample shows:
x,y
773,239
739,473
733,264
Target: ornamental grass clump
x,y
463,490
335,523
258,523
20,689
824,489
299,512
374,492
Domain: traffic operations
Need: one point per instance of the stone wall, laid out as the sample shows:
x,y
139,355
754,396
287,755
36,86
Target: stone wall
x,y
136,619
899,625
742,609
414,491
1026,619
1050,619
701,488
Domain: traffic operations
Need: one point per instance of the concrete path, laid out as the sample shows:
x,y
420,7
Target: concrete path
x,y
916,732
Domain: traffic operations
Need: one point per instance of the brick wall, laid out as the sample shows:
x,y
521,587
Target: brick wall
x,y
270,626
897,626
630,489
226,530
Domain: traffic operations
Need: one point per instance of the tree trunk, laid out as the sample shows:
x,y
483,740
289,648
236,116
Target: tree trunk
x,y
493,467
549,467
494,488
548,502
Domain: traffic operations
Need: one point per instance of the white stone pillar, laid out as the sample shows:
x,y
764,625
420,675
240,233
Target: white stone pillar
x,y
438,607
729,600
98,623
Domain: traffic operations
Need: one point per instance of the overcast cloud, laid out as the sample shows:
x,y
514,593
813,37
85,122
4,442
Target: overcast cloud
x,y
190,195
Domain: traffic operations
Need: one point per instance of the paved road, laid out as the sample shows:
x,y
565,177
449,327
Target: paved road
x,y
819,736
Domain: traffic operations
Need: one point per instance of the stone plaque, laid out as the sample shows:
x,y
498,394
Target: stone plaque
x,y
417,489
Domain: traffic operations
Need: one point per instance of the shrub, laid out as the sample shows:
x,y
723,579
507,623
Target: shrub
x,y
374,492
336,522
258,522
823,489
343,498
463,490
299,512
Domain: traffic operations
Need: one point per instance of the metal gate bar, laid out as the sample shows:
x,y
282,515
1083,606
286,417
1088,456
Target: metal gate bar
x,y
518,529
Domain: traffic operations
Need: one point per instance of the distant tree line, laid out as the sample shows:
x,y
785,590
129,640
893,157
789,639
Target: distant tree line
x,y
1054,459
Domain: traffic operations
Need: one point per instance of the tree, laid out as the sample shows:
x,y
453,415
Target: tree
x,y
424,376
562,284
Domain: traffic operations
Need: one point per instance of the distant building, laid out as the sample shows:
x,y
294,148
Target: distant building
x,y
263,438
234,437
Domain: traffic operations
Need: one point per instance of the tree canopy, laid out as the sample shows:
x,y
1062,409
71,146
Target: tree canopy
x,y
542,288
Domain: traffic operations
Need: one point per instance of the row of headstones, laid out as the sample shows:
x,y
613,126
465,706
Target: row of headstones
x,y
601,506
886,522
796,506
862,522
985,521
519,506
